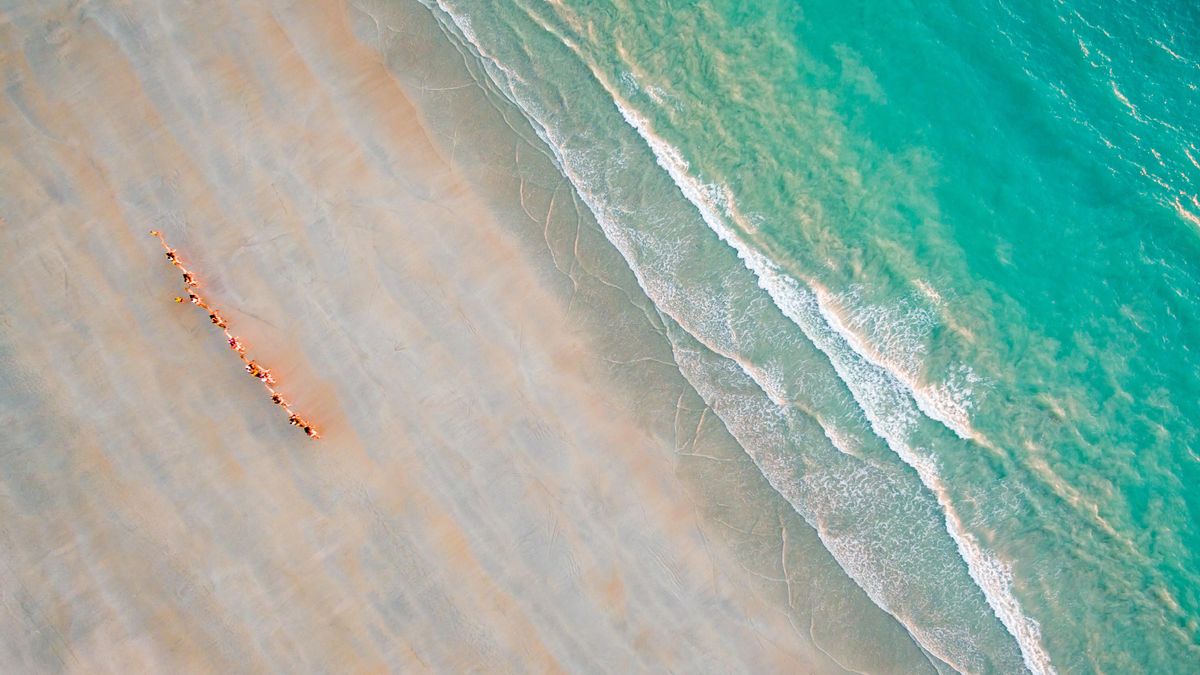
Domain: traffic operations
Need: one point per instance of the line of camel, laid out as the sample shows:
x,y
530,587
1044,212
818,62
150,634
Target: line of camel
x,y
214,315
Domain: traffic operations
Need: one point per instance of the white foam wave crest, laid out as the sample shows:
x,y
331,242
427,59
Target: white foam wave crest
x,y
757,428
890,406
887,401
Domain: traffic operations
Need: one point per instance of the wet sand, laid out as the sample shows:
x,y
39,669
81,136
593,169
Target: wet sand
x,y
490,494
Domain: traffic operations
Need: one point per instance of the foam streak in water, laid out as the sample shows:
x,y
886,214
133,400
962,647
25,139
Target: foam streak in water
x,y
888,404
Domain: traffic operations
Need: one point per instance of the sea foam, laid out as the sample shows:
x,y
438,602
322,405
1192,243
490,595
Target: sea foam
x,y
883,394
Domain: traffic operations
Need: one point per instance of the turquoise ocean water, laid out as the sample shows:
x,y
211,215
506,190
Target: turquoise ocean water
x,y
936,266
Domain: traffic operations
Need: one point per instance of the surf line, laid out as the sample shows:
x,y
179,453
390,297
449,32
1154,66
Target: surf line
x,y
257,371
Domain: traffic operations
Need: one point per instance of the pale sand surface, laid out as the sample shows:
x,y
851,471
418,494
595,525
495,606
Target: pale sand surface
x,y
491,494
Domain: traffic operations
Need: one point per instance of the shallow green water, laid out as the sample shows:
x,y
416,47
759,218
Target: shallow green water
x,y
937,268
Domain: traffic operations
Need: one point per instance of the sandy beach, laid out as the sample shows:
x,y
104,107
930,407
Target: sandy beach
x,y
502,484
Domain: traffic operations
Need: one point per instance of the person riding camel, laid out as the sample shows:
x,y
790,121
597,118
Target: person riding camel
x,y
217,320
189,280
279,400
236,346
312,433
254,369
172,257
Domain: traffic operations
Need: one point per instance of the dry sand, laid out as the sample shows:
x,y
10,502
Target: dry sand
x,y
492,494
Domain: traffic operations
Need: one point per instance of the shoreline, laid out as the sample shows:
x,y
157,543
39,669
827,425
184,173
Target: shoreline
x,y
844,625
